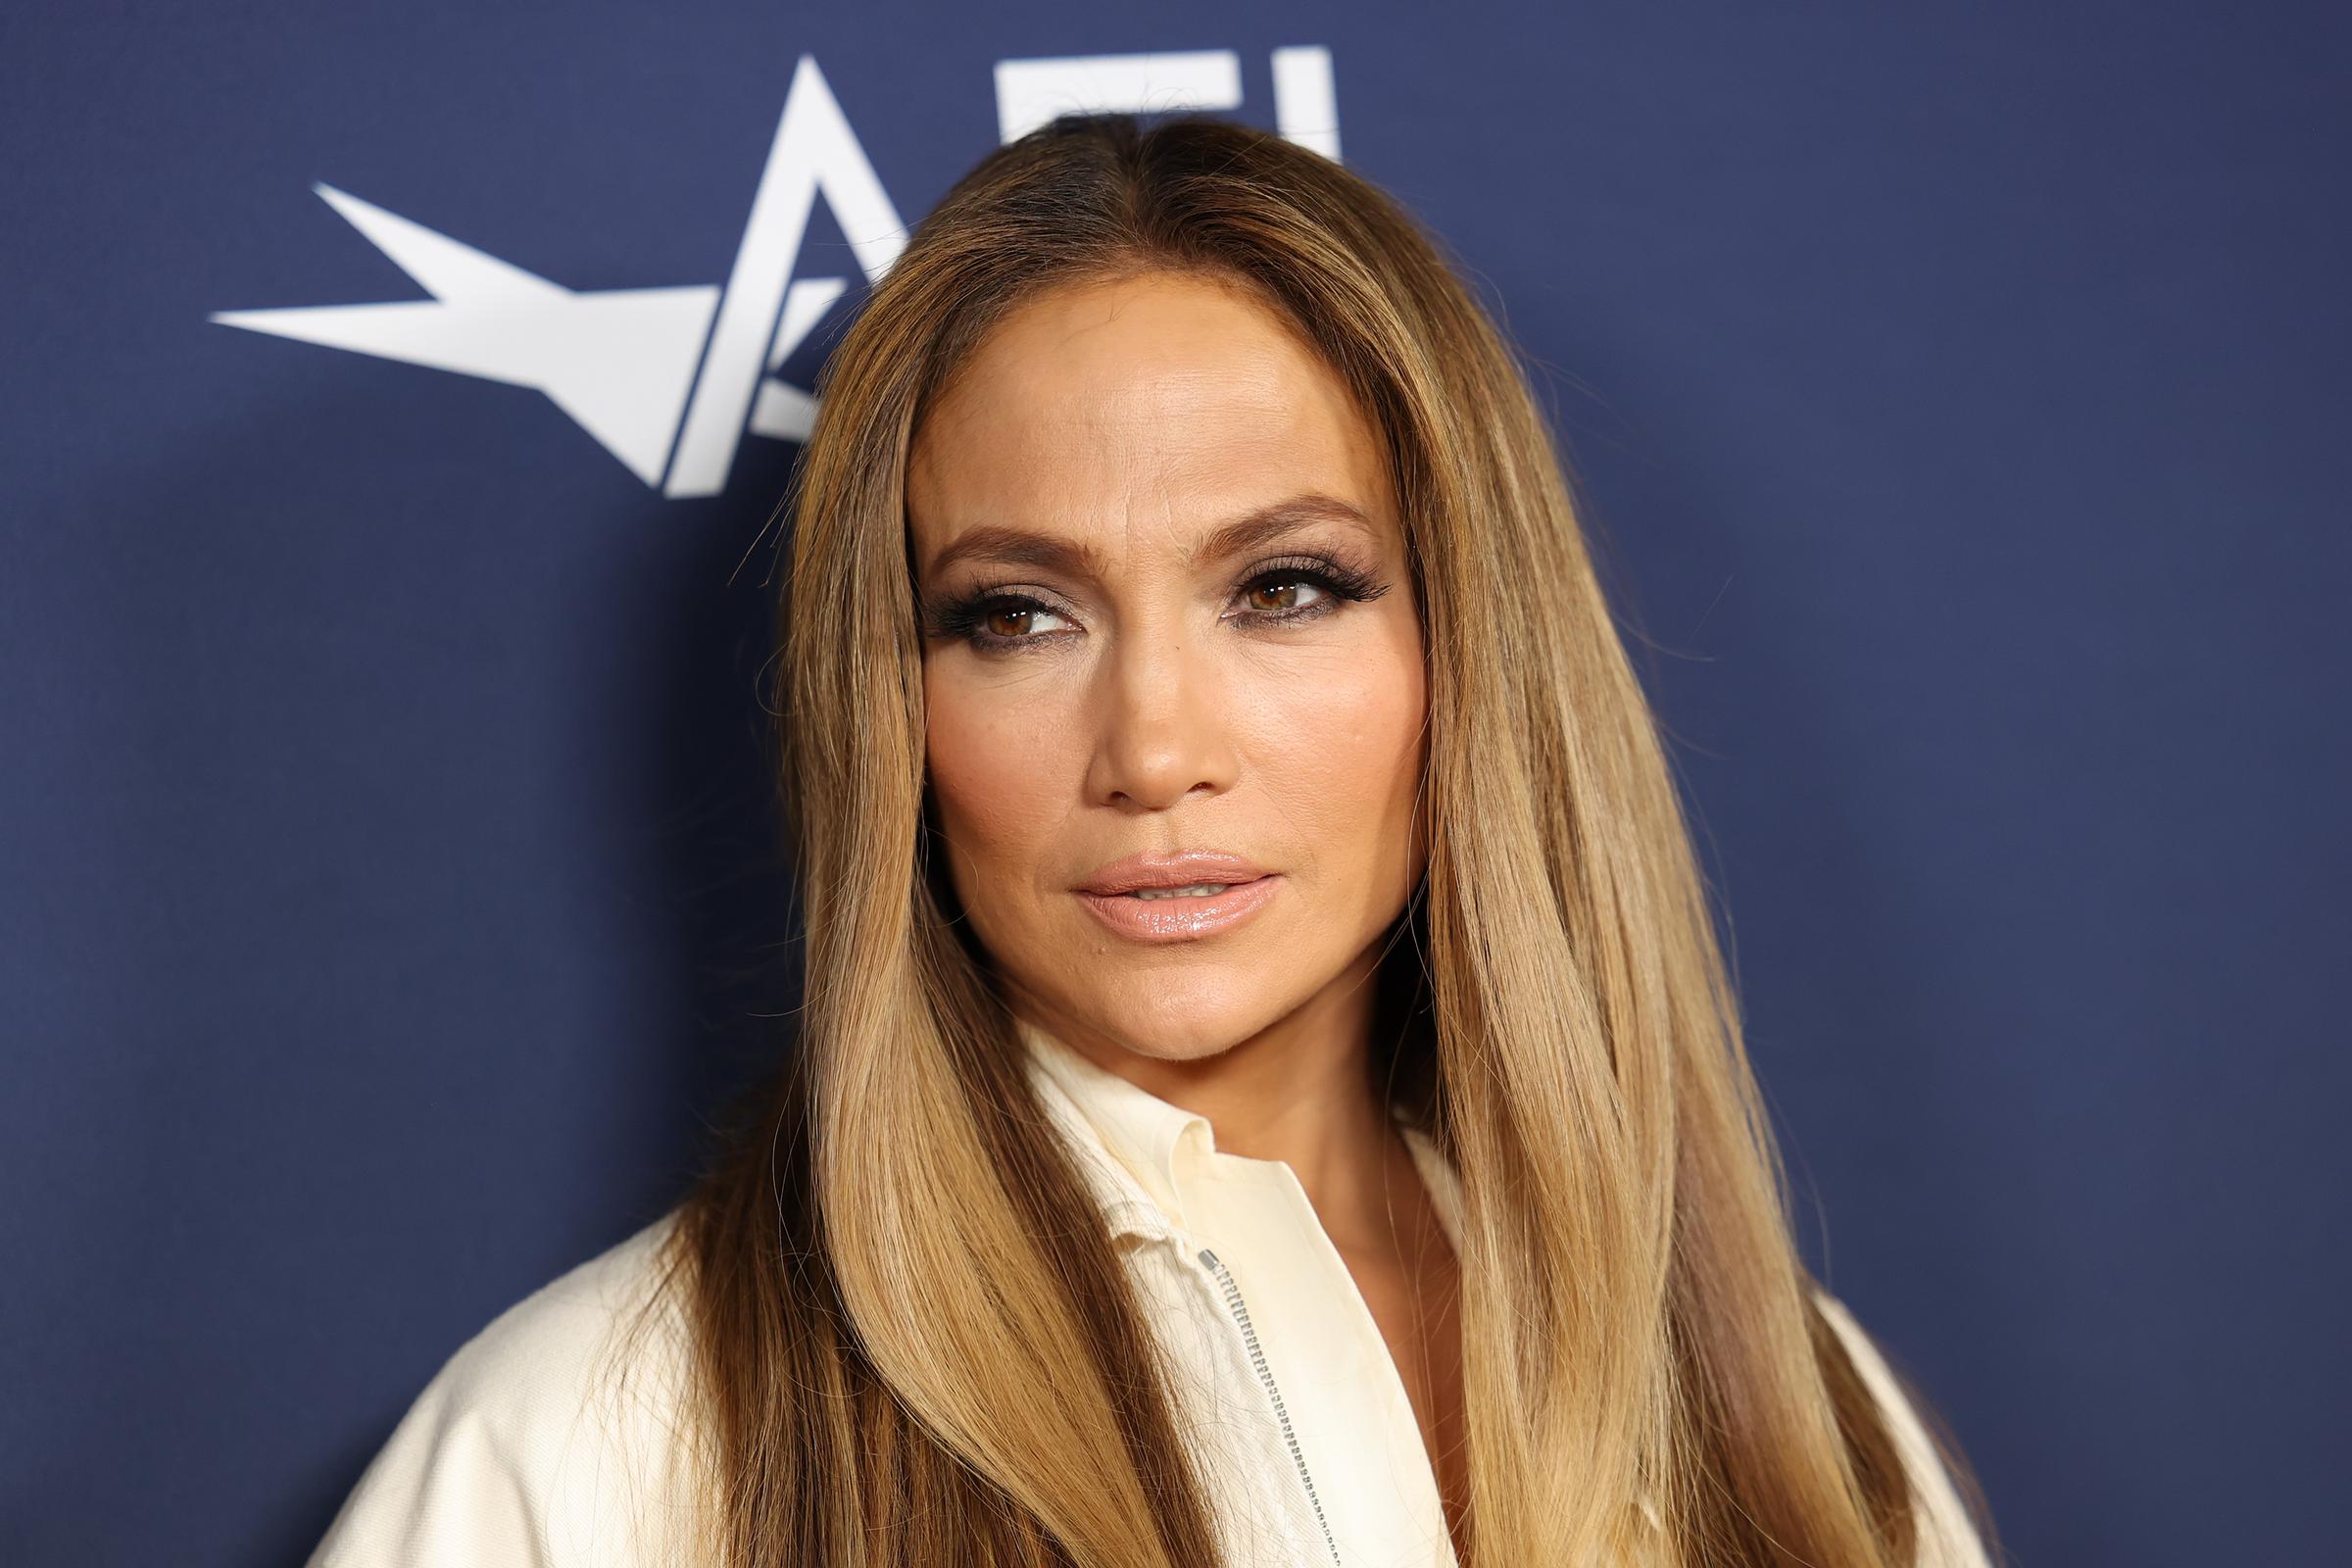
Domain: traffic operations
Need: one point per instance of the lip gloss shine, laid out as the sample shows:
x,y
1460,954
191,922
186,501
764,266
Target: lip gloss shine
x,y
1181,919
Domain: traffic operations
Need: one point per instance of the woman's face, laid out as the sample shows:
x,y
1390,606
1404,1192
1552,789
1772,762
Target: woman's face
x,y
1113,668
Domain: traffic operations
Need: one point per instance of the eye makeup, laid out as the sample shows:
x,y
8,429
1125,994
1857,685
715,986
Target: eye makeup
x,y
965,617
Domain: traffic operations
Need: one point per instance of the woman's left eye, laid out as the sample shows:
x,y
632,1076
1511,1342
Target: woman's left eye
x,y
1284,588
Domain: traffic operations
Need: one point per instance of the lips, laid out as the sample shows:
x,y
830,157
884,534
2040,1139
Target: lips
x,y
1182,917
1180,869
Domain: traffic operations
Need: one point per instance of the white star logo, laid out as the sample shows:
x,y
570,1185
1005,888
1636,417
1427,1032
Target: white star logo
x,y
667,380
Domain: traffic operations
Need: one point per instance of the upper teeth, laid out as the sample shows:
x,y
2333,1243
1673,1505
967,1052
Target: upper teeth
x,y
1197,891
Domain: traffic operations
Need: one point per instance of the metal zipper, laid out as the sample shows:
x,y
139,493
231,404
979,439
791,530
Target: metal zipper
x,y
1257,1359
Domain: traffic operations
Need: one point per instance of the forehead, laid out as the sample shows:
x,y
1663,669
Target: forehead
x,y
1158,406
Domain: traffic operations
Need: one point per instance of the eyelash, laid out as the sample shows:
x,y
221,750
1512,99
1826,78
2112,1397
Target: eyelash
x,y
963,620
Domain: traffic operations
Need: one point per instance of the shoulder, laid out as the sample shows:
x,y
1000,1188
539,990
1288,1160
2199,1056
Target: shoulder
x,y
1946,1537
551,1437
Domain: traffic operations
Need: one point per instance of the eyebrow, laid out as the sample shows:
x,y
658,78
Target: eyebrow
x,y
1008,546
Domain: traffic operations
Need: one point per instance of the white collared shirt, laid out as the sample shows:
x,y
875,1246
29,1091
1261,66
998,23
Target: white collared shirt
x,y
1300,1410
521,1454
1296,1403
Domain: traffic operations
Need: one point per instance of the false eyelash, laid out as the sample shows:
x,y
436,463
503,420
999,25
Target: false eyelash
x,y
963,618
1334,577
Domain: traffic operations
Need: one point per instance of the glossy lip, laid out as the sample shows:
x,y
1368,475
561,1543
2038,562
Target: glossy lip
x,y
1177,869
1185,919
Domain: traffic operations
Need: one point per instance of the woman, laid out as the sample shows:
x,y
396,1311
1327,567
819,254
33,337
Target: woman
x,y
1269,1090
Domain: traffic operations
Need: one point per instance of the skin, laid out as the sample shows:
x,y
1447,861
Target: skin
x,y
1142,707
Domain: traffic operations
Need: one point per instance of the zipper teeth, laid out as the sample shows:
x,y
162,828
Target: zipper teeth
x,y
1257,1359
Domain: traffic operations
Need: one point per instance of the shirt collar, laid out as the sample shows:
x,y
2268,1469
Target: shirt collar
x,y
1131,1143
1127,1138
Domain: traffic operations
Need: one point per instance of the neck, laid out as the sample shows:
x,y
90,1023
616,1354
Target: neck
x,y
1299,1091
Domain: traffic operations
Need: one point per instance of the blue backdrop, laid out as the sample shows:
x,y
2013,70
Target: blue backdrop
x,y
389,887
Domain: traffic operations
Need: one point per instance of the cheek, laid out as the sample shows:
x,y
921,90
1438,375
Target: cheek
x,y
1338,746
992,775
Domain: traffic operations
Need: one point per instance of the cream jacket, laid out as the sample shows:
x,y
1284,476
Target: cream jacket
x,y
521,1452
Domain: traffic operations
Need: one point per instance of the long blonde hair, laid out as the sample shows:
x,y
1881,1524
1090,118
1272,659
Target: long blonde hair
x,y
912,1340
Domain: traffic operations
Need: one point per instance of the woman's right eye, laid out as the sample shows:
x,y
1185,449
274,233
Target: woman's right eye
x,y
1001,621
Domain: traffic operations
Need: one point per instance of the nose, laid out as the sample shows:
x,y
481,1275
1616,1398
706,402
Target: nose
x,y
1163,730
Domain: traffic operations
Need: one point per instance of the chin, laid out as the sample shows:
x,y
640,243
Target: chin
x,y
1176,1018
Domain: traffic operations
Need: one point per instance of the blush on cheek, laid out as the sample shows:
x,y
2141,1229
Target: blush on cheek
x,y
992,777
1339,748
